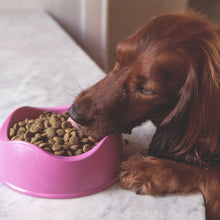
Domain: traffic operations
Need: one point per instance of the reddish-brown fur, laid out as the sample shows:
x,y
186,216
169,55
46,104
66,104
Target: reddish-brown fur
x,y
167,72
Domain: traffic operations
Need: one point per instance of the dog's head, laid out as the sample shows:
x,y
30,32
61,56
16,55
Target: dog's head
x,y
160,71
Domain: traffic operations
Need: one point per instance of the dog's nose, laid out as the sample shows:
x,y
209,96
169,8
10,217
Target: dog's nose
x,y
78,115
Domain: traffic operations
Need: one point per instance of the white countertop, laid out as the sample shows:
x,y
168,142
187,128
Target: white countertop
x,y
40,65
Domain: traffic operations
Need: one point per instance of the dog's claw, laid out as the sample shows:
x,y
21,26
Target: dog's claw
x,y
139,190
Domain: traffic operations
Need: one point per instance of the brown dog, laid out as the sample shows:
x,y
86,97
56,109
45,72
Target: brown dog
x,y
169,73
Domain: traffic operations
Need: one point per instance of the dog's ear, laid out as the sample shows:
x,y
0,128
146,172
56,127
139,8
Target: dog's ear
x,y
203,78
196,113
187,96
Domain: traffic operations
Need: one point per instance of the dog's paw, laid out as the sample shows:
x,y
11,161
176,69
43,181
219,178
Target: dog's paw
x,y
145,175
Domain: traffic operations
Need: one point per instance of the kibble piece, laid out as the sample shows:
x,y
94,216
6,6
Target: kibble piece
x,y
51,141
51,132
12,132
21,123
80,135
66,137
26,120
19,139
56,124
44,136
84,140
47,113
62,119
57,147
38,142
16,126
46,123
31,121
69,153
78,152
73,133
92,139
38,121
61,152
33,140
86,147
65,147
28,134
40,126
53,119
60,132
66,124
37,136
43,117
74,140
43,145
68,130
34,128
58,140
28,126
48,149
66,115
14,138
21,131
59,116
74,147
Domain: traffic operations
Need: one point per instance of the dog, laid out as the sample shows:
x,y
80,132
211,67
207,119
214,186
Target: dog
x,y
167,72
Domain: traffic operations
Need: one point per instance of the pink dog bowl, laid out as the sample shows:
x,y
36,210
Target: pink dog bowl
x,y
28,169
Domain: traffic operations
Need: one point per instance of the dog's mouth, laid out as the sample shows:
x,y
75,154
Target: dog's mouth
x,y
126,130
92,131
131,125
85,129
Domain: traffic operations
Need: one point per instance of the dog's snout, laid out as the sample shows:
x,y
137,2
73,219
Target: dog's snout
x,y
77,114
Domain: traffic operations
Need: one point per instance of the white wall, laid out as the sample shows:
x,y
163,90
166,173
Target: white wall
x,y
84,20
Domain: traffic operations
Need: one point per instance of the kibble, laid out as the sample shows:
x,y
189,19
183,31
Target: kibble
x,y
56,147
84,140
60,132
74,147
74,140
52,133
86,147
34,128
12,132
78,151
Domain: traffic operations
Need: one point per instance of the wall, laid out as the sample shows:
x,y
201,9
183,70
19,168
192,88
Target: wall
x,y
210,8
126,16
98,25
84,20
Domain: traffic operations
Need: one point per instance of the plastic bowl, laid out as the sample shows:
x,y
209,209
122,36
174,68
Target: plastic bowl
x,y
28,169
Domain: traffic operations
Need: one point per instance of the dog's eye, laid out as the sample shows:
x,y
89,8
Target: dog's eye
x,y
144,91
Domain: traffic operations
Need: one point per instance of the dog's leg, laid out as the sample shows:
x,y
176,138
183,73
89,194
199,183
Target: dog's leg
x,y
156,176
210,187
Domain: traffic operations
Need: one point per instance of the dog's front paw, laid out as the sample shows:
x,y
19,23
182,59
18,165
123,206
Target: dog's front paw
x,y
130,176
145,175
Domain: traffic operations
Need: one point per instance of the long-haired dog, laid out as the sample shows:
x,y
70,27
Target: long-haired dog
x,y
168,72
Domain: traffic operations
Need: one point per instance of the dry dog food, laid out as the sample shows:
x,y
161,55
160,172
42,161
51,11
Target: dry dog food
x,y
53,133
